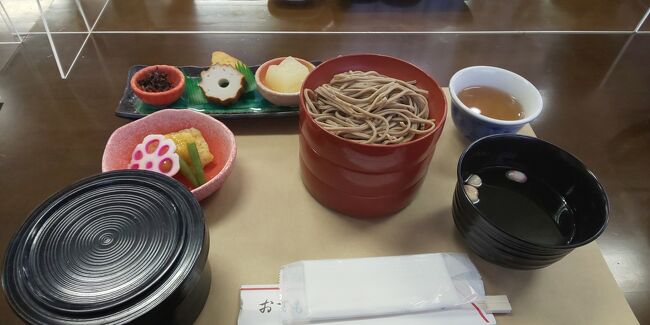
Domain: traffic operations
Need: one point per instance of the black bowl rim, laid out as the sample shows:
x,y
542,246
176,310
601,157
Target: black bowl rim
x,y
601,189
169,292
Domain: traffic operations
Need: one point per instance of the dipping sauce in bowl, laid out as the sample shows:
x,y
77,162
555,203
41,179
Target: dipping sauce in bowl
x,y
492,102
526,207
489,100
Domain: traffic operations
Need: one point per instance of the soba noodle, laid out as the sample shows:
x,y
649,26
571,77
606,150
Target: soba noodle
x,y
368,107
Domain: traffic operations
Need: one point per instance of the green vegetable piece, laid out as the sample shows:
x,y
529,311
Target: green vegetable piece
x,y
196,163
248,75
187,172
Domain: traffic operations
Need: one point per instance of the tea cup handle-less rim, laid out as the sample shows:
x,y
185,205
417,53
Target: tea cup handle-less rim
x,y
523,90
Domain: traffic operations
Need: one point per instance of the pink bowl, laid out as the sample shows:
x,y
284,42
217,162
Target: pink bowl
x,y
275,97
220,139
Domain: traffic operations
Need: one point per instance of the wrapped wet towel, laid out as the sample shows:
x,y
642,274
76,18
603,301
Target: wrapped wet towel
x,y
260,305
345,289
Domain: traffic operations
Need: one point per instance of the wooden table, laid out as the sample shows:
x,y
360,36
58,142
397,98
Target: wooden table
x,y
264,218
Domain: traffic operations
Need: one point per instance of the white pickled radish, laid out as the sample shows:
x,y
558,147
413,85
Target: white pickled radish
x,y
286,77
156,153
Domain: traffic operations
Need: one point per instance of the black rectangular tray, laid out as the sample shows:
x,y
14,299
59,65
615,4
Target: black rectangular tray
x,y
249,105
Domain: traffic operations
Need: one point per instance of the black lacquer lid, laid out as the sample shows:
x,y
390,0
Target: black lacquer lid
x,y
108,249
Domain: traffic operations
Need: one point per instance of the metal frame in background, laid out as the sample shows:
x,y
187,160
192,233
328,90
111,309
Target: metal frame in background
x,y
89,28
10,25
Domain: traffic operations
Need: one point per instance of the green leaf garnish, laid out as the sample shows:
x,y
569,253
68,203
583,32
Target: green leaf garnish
x,y
193,92
248,75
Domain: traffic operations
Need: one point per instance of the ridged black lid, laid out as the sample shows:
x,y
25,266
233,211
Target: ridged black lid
x,y
105,250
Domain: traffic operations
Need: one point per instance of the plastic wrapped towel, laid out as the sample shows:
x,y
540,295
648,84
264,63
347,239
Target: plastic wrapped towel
x,y
330,290
261,305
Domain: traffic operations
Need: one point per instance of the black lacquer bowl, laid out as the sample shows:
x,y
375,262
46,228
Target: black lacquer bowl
x,y
123,246
490,238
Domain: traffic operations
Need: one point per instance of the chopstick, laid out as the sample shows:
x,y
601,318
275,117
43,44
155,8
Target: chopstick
x,y
495,304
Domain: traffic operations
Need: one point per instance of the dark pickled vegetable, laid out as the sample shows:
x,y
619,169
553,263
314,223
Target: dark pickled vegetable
x,y
157,81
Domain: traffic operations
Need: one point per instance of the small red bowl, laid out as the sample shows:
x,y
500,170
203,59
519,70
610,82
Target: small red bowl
x,y
174,75
221,142
366,180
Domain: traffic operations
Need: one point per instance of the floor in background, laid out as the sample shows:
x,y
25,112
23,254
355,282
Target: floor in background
x,y
24,14
596,104
7,51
